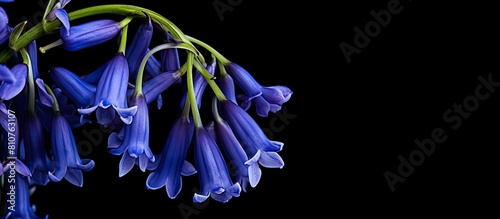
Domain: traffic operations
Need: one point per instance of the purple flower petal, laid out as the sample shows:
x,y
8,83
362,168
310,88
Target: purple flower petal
x,y
10,90
271,160
172,159
63,16
43,96
126,164
89,34
79,91
138,48
6,75
213,173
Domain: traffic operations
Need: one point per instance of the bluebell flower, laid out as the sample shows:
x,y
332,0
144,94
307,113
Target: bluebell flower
x,y
139,47
135,145
172,164
213,173
170,57
251,137
77,90
112,91
67,162
246,171
267,99
23,207
36,157
89,34
10,90
226,84
58,12
153,67
32,49
155,86
271,99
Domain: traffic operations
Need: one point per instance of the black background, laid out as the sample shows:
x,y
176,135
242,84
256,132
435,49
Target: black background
x,y
352,120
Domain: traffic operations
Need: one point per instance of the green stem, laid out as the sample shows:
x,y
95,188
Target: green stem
x,y
215,112
191,94
48,9
42,29
55,105
123,41
34,33
142,66
210,80
217,54
222,69
31,80
187,108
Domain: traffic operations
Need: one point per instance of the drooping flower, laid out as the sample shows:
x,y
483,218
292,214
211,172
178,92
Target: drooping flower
x,y
139,47
154,87
79,91
36,157
170,57
32,49
22,208
245,170
160,83
270,101
172,163
89,34
135,145
67,162
267,99
112,91
226,84
251,137
213,173
58,12
10,90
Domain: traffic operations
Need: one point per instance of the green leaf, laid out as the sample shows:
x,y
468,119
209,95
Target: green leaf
x,y
16,33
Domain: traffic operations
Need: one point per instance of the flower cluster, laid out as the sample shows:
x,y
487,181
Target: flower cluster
x,y
46,105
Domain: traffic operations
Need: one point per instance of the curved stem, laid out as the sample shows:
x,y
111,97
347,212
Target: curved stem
x,y
142,66
31,80
214,52
55,105
123,41
44,28
210,80
191,94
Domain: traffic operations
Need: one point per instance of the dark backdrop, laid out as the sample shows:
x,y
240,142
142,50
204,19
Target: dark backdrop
x,y
352,124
